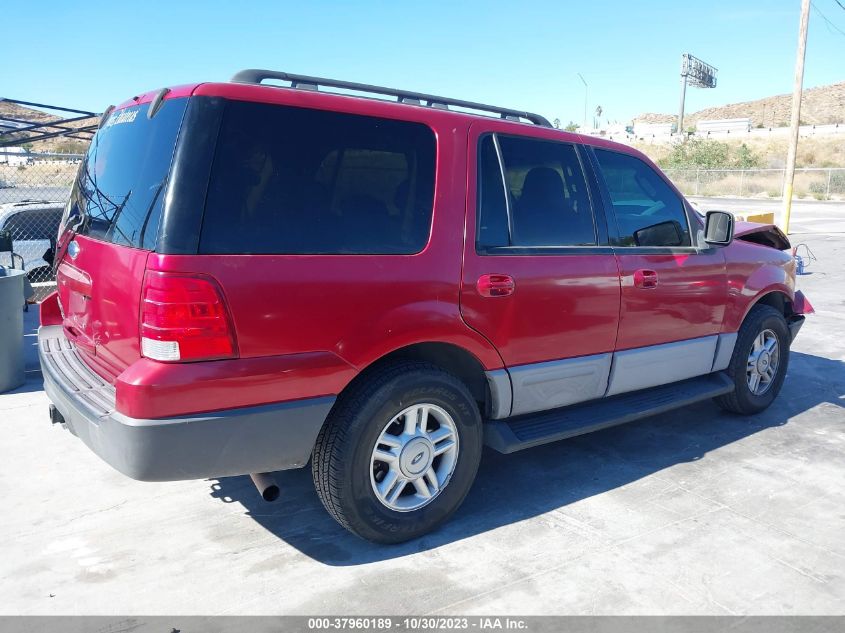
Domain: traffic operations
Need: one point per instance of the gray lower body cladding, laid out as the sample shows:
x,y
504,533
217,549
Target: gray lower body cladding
x,y
225,443
558,383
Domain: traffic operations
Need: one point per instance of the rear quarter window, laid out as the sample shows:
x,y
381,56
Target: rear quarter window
x,y
289,180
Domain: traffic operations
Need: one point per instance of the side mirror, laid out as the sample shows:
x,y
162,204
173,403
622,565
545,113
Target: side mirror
x,y
719,228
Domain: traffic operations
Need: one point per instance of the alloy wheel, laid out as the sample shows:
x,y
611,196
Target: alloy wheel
x,y
414,457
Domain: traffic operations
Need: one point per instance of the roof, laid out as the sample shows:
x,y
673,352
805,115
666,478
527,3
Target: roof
x,y
307,96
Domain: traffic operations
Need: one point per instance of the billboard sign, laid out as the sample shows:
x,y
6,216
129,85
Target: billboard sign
x,y
698,73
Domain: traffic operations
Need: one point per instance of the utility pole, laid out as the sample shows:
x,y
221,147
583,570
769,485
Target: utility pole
x,y
789,173
586,93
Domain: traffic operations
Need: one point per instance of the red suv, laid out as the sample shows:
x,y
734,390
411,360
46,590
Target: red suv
x,y
254,276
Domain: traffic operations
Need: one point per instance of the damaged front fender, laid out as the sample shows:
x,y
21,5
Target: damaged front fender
x,y
764,234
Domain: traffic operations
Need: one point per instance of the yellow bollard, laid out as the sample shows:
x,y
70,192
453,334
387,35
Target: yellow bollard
x,y
761,218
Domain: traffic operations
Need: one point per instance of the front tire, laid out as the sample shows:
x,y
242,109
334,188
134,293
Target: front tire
x,y
759,362
399,452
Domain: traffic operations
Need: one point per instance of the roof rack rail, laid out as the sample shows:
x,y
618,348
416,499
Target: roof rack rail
x,y
256,76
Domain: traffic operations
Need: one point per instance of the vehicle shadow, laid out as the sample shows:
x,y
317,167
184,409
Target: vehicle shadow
x,y
511,488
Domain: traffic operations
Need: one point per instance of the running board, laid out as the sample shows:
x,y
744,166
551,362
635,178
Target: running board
x,y
527,431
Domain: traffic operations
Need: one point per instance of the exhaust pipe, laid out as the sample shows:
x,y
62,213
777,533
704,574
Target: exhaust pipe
x,y
266,485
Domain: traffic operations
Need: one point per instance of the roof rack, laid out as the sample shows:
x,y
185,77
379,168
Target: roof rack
x,y
256,76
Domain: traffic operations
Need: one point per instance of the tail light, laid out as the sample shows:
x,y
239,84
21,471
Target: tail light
x,y
184,318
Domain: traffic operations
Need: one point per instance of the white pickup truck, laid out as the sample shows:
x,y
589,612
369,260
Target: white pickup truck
x,y
33,225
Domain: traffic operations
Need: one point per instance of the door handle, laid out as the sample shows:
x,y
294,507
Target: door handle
x,y
495,285
645,278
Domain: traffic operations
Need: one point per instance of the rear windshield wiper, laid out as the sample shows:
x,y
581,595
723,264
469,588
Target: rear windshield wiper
x,y
149,211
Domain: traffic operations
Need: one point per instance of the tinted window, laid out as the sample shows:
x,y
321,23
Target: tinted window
x,y
546,193
295,181
492,209
118,193
647,211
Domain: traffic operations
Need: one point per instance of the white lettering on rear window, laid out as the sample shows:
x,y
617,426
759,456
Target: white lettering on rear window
x,y
124,116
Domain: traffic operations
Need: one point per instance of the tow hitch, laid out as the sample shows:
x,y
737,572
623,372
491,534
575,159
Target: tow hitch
x,y
55,416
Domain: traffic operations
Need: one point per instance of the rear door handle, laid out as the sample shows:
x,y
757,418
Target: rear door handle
x,y
495,285
645,278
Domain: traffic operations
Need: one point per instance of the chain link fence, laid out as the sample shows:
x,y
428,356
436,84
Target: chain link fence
x,y
812,183
33,191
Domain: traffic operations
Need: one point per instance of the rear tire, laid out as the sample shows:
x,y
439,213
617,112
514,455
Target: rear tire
x,y
759,362
398,453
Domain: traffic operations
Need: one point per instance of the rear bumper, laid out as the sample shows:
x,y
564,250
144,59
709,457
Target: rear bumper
x,y
232,442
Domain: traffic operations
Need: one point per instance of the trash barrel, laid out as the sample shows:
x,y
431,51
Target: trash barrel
x,y
11,328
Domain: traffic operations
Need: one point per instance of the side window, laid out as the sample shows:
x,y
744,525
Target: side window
x,y
289,180
546,194
647,211
492,206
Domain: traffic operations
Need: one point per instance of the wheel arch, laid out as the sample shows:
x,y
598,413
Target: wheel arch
x,y
452,358
777,295
777,298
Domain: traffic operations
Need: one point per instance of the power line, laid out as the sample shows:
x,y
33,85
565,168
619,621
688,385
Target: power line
x,y
841,6
830,24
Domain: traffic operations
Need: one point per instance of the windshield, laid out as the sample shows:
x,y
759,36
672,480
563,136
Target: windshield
x,y
118,193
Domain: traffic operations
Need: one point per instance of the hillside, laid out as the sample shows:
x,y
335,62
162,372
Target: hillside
x,y
819,106
56,144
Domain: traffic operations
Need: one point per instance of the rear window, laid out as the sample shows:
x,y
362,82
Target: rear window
x,y
289,180
118,192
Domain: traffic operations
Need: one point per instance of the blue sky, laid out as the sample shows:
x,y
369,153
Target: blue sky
x,y
517,54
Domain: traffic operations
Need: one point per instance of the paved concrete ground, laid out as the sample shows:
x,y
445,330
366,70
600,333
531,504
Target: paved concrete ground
x,y
693,512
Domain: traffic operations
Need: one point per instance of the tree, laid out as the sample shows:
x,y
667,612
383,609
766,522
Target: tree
x,y
699,153
572,127
746,158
